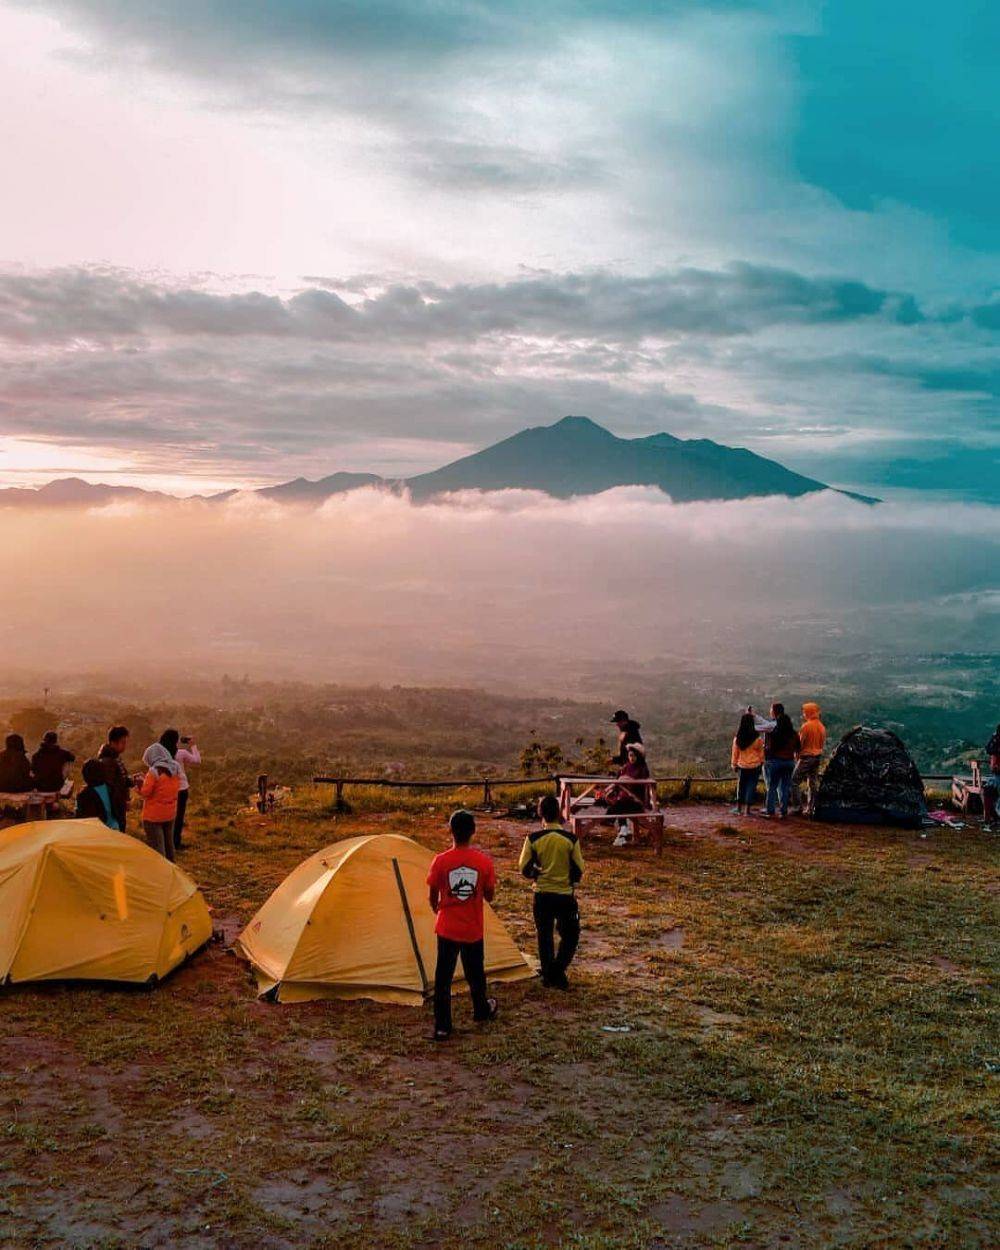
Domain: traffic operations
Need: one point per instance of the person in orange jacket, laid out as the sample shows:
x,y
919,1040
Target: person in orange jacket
x,y
159,790
812,736
748,760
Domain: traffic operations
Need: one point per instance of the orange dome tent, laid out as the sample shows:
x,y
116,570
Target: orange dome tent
x,y
354,921
79,901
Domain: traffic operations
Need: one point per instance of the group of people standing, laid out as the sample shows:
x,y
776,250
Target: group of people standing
x,y
108,785
463,878
789,758
163,788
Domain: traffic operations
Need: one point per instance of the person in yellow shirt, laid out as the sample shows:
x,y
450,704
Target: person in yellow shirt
x,y
748,760
812,736
551,858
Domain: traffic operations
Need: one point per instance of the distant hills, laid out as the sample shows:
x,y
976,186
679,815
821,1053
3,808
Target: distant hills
x,y
576,456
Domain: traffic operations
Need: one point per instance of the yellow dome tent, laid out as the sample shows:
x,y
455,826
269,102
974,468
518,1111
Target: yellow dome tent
x,y
79,901
354,921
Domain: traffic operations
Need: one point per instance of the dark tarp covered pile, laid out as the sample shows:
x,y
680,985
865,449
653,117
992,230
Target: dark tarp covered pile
x,y
871,780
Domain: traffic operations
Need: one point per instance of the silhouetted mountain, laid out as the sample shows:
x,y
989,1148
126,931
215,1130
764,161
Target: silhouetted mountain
x,y
573,457
73,492
578,457
301,489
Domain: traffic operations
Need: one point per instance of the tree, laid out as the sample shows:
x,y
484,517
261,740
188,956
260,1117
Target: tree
x,y
32,722
544,757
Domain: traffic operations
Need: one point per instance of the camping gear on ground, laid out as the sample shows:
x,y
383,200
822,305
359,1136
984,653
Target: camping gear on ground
x,y
79,901
355,921
871,780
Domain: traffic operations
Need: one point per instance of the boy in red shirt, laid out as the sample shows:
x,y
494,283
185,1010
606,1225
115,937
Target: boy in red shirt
x,y
459,881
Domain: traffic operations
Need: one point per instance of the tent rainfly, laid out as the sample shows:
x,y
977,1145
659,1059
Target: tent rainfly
x,y
79,901
871,780
354,921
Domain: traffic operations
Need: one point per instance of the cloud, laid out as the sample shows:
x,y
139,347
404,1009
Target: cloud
x,y
106,305
356,373
493,587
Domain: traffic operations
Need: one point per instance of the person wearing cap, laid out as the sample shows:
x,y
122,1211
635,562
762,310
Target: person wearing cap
x,y
628,731
812,739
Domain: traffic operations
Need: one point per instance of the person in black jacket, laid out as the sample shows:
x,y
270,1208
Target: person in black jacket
x,y
48,764
15,768
115,772
94,800
628,731
991,781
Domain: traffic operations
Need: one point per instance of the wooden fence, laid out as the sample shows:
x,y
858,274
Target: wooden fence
x,y
687,784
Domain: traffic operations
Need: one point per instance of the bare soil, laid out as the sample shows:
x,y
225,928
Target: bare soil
x,y
778,1035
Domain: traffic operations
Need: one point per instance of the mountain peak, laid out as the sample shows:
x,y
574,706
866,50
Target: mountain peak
x,y
580,425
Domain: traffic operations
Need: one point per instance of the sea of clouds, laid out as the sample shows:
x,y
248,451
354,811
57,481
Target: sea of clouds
x,y
510,587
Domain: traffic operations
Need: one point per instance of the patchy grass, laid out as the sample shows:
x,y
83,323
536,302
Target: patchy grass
x,y
804,1054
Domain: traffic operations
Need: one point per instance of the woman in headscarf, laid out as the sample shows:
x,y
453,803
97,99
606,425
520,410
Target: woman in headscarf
x,y
15,767
185,752
748,760
159,789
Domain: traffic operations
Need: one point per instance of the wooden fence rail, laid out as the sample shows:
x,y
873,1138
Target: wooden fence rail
x,y
488,783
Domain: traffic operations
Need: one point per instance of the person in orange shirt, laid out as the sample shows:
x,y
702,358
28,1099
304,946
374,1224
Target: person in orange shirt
x,y
748,760
159,790
812,736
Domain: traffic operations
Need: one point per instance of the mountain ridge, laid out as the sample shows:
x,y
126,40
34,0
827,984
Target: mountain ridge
x,y
572,457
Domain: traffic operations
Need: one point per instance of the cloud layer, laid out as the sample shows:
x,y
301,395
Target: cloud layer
x,y
371,373
504,588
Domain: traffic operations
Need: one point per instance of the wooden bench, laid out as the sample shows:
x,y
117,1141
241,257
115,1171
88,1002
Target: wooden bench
x,y
967,792
36,804
575,808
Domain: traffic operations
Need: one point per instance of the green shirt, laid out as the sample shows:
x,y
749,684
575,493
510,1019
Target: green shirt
x,y
552,859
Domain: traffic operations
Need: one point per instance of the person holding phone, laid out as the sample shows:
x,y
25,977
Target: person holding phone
x,y
186,755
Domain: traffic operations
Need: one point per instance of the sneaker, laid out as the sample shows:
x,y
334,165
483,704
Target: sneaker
x,y
559,981
622,840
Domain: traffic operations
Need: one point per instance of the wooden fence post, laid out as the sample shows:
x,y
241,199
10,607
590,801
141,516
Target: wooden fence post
x,y
339,800
262,794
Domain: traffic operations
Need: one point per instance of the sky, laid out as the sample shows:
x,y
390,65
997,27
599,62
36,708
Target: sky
x,y
243,240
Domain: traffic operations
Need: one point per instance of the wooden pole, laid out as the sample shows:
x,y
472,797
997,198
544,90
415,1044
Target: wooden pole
x,y
262,794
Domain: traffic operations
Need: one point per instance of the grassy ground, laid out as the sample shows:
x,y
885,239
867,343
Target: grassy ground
x,y
777,1036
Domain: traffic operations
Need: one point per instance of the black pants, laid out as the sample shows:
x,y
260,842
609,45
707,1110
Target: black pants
x,y
556,912
182,802
471,954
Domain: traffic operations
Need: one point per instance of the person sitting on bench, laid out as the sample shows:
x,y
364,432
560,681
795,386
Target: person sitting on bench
x,y
48,764
15,767
622,799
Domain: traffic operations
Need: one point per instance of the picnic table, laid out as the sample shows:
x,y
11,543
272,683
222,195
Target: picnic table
x,y
579,809
36,804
